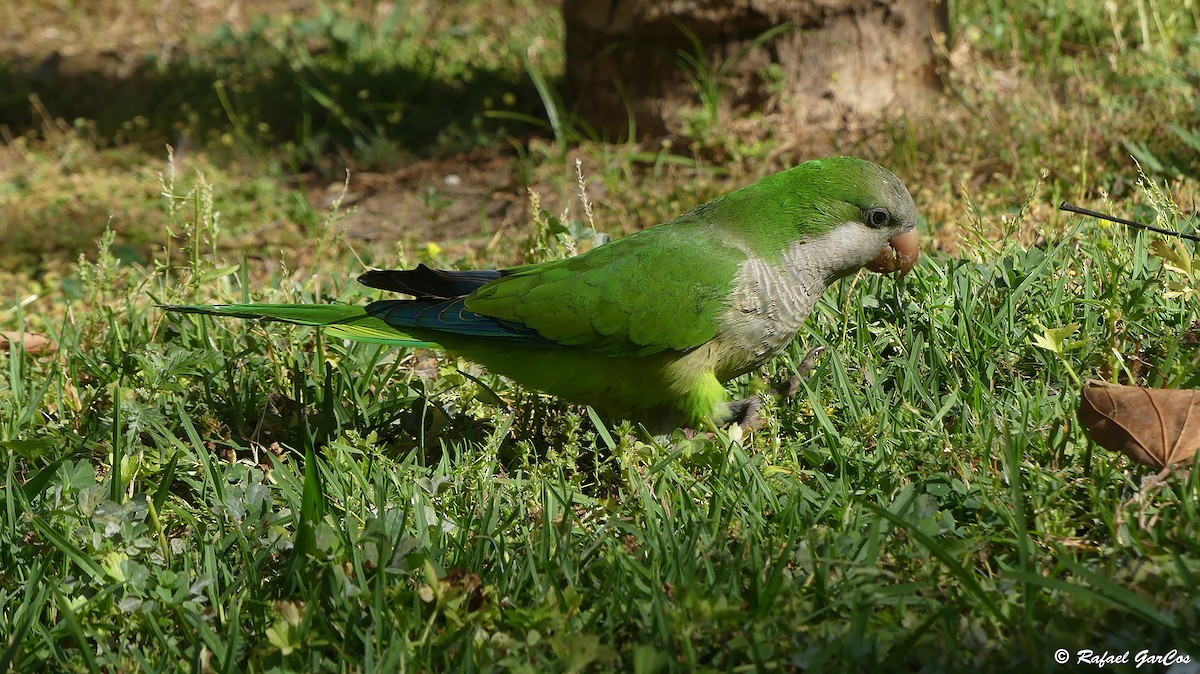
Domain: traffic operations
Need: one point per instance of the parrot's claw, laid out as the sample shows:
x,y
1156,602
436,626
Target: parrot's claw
x,y
788,388
747,412
809,362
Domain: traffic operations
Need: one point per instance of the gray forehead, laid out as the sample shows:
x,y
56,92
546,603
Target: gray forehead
x,y
899,199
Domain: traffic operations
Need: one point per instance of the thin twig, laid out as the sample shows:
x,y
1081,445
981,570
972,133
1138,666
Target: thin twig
x,y
1066,206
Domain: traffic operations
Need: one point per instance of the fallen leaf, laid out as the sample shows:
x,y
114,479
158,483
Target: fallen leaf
x,y
1155,427
30,342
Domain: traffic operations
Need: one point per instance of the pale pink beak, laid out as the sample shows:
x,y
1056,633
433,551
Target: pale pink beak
x,y
901,252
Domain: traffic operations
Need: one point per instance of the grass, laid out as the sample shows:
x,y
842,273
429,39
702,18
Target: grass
x,y
221,496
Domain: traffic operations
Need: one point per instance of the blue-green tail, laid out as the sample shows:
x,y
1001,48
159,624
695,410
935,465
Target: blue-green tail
x,y
338,320
436,316
417,323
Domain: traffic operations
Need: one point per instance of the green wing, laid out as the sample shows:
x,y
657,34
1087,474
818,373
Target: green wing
x,y
660,289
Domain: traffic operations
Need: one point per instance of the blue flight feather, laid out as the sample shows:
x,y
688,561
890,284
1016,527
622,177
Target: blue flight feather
x,y
452,316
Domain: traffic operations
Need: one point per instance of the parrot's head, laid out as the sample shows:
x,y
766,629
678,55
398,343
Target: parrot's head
x,y
866,209
889,211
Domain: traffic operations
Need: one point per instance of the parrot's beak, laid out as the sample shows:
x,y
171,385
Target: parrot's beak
x,y
901,252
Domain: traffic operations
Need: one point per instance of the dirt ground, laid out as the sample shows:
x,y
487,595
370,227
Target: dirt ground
x,y
462,201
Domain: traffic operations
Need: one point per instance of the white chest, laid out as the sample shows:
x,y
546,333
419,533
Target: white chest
x,y
770,302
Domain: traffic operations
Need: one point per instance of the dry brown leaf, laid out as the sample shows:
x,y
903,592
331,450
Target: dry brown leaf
x,y
1156,427
30,342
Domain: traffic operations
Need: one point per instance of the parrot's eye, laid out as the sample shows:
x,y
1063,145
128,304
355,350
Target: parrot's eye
x,y
878,217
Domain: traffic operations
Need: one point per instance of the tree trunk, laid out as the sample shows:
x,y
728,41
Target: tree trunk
x,y
820,62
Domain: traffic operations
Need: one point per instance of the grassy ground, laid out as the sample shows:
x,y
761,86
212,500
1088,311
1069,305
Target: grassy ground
x,y
186,494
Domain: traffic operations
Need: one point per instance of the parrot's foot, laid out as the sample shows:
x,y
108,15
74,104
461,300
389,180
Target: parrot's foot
x,y
747,412
791,387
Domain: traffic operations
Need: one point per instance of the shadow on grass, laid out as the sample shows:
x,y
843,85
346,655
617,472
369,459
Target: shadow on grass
x,y
308,104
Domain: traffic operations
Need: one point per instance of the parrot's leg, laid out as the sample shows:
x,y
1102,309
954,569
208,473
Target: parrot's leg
x,y
747,411
790,387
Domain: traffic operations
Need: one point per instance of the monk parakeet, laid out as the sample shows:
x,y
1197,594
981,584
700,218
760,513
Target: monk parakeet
x,y
649,326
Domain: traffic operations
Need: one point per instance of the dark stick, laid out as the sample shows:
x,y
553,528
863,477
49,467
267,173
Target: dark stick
x,y
1072,208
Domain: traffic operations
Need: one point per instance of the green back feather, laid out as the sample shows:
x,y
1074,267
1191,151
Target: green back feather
x,y
660,289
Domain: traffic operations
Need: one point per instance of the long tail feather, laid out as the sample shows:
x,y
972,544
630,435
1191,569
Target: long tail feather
x,y
339,320
424,283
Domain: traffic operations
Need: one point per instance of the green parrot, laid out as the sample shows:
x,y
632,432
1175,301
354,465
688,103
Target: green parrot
x,y
649,326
